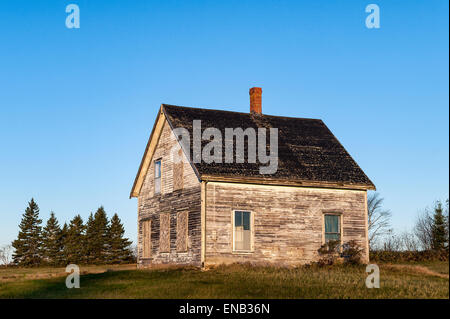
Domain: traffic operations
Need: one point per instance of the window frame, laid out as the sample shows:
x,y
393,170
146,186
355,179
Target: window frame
x,y
341,223
252,232
155,178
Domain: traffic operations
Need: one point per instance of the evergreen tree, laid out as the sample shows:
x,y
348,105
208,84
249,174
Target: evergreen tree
x,y
446,216
438,231
52,245
28,243
64,231
119,251
97,237
89,240
74,244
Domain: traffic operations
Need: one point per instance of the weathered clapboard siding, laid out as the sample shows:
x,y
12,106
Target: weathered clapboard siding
x,y
318,175
182,197
288,221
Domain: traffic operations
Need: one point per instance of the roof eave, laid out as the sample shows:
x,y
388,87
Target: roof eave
x,y
134,192
284,182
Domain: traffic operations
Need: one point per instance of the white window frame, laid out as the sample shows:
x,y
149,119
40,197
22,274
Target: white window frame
x,y
160,176
341,223
252,231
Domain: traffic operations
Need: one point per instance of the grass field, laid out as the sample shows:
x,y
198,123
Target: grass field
x,y
425,280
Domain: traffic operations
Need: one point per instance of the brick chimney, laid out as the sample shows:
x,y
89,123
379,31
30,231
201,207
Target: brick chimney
x,y
255,100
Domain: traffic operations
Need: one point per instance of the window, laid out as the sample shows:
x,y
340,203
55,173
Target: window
x,y
158,176
332,227
242,231
146,238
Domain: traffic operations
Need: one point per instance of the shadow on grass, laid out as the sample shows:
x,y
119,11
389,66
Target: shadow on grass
x,y
56,287
117,284
235,281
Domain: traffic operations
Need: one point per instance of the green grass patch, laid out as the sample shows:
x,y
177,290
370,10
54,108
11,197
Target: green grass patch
x,y
238,281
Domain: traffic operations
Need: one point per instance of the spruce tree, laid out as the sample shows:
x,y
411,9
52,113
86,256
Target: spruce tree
x,y
97,237
89,240
52,245
74,244
64,231
446,215
438,231
28,243
102,242
119,251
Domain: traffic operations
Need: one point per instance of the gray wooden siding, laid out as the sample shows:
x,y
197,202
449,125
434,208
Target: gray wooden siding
x,y
288,221
181,197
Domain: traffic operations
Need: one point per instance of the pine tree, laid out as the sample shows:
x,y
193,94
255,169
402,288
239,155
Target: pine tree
x,y
74,244
97,237
446,214
52,245
28,243
101,225
119,251
64,231
438,231
89,240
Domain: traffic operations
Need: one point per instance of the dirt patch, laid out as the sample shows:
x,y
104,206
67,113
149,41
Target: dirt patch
x,y
418,269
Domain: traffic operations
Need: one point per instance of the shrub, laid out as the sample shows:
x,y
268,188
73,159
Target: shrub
x,y
409,256
332,252
329,253
352,252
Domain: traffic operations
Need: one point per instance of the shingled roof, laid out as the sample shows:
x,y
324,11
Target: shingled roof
x,y
308,153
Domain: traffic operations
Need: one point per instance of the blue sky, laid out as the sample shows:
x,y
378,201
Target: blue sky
x,y
77,105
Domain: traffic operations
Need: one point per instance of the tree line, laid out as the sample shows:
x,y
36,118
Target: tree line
x,y
429,233
98,241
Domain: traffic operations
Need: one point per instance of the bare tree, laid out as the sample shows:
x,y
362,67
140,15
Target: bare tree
x,y
424,229
392,242
5,255
134,252
409,241
379,218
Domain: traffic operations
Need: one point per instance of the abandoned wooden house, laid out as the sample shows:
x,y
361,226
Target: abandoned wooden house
x,y
207,213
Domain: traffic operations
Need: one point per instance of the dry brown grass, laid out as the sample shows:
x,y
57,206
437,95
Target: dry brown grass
x,y
417,269
20,274
238,281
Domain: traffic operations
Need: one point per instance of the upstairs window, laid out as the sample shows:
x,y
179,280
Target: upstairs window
x,y
332,227
242,231
158,176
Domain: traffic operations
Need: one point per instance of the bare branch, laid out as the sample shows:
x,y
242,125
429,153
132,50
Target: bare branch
x,y
379,218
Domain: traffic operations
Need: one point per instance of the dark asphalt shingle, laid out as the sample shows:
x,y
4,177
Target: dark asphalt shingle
x,y
307,150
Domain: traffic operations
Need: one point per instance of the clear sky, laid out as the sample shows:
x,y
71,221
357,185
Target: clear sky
x,y
77,105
